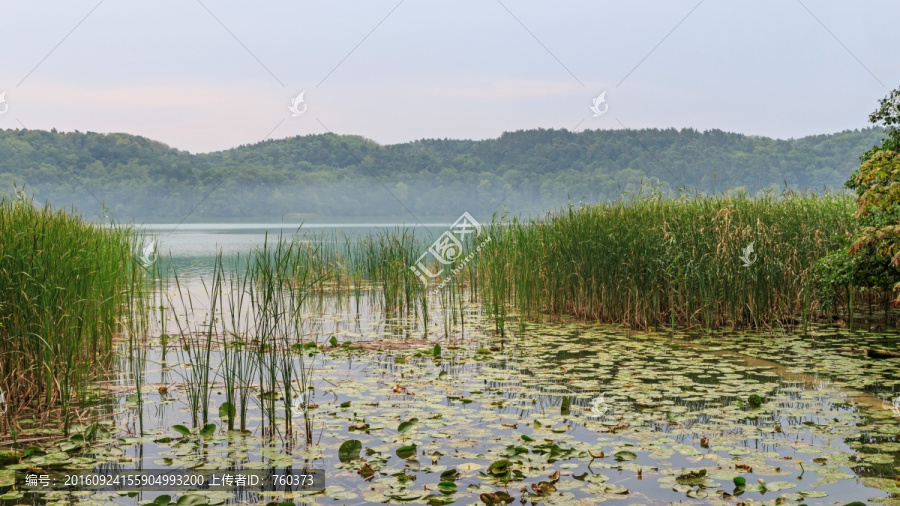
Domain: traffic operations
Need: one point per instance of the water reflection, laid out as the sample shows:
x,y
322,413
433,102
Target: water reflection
x,y
671,407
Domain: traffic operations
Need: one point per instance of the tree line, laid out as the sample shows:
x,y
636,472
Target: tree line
x,y
329,175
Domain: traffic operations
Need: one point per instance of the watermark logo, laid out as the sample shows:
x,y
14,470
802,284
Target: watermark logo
x,y
4,407
298,105
3,105
600,100
448,248
895,406
105,215
749,257
599,407
148,254
21,198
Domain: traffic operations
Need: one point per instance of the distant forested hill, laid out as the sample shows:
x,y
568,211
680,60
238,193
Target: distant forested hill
x,y
330,175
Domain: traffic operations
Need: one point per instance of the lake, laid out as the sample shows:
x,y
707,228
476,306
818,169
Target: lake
x,y
435,406
192,246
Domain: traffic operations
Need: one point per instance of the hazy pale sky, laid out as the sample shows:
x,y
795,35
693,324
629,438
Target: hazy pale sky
x,y
212,74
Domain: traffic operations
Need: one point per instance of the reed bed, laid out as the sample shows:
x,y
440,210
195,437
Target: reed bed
x,y
652,261
379,264
66,288
248,329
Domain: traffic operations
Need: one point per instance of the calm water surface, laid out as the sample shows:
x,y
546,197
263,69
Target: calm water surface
x,y
556,413
192,246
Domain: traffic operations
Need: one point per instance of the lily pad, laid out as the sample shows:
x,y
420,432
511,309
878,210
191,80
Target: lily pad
x,y
349,450
162,500
624,456
447,487
500,467
226,411
191,500
754,401
407,426
450,475
405,452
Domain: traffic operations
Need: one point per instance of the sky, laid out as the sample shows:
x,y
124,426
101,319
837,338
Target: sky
x,y
207,75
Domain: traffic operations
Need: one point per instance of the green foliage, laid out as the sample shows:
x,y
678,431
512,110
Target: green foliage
x,y
653,261
66,287
875,183
840,271
447,487
407,451
887,114
273,282
879,201
226,411
407,426
330,175
349,450
873,259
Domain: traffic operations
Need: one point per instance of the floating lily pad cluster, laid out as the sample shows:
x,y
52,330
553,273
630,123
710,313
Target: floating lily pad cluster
x,y
561,414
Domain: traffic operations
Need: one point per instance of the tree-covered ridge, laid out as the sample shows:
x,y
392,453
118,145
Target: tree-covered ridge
x,y
331,175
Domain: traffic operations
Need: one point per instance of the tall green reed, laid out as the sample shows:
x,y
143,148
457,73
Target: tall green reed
x,y
197,338
652,261
65,285
248,330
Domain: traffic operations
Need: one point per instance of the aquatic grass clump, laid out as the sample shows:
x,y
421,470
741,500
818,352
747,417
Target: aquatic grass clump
x,y
653,261
380,261
386,258
248,327
66,287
